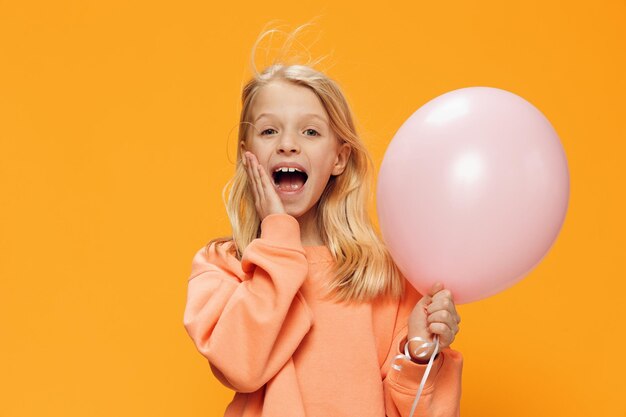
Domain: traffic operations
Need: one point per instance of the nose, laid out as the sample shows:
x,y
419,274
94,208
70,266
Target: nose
x,y
287,144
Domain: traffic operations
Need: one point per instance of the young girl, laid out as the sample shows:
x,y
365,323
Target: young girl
x,y
302,311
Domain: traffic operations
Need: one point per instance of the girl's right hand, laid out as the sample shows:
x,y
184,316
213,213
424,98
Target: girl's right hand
x,y
266,199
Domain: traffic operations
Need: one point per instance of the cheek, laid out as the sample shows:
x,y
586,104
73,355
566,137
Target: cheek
x,y
260,151
329,165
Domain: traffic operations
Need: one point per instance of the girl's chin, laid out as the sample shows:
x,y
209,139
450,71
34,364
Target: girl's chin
x,y
293,211
298,211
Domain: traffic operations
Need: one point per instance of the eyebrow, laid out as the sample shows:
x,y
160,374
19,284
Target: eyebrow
x,y
317,116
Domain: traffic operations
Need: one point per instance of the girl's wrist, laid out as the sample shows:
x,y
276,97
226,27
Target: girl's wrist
x,y
422,361
417,352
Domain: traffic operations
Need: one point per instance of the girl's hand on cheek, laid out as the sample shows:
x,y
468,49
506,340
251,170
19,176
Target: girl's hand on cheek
x,y
266,199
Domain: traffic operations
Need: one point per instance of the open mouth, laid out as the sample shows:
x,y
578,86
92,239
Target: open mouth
x,y
289,179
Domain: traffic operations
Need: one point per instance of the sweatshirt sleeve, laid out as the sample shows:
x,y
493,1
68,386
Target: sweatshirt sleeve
x,y
441,395
248,327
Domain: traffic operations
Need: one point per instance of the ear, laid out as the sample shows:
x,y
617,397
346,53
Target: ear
x,y
343,156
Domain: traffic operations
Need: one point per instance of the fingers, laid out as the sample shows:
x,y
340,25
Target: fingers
x,y
440,314
267,183
258,174
443,300
445,318
446,304
266,198
446,335
442,317
257,177
253,184
437,286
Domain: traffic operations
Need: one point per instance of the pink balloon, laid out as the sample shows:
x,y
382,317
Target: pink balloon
x,y
472,191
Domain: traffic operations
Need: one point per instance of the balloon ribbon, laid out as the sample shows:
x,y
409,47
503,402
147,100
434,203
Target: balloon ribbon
x,y
406,355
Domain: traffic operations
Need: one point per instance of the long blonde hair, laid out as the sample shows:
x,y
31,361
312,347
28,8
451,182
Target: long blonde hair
x,y
363,268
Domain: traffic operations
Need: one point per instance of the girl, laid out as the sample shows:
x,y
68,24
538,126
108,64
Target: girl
x,y
302,311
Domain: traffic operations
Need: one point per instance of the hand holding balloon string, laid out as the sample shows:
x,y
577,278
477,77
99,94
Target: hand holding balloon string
x,y
433,315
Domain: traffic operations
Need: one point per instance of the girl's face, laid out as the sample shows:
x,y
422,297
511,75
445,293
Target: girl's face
x,y
291,130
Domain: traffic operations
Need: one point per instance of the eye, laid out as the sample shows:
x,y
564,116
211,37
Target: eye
x,y
263,132
313,130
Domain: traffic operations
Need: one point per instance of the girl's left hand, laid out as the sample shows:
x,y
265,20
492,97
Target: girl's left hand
x,y
434,313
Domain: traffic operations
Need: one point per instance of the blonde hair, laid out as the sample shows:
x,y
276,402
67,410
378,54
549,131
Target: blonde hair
x,y
363,269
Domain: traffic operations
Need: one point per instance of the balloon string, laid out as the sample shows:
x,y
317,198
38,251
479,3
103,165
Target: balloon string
x,y
406,355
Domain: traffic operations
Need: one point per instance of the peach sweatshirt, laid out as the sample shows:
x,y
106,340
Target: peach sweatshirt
x,y
266,334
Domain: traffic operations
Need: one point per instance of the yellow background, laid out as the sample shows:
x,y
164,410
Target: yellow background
x,y
117,130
